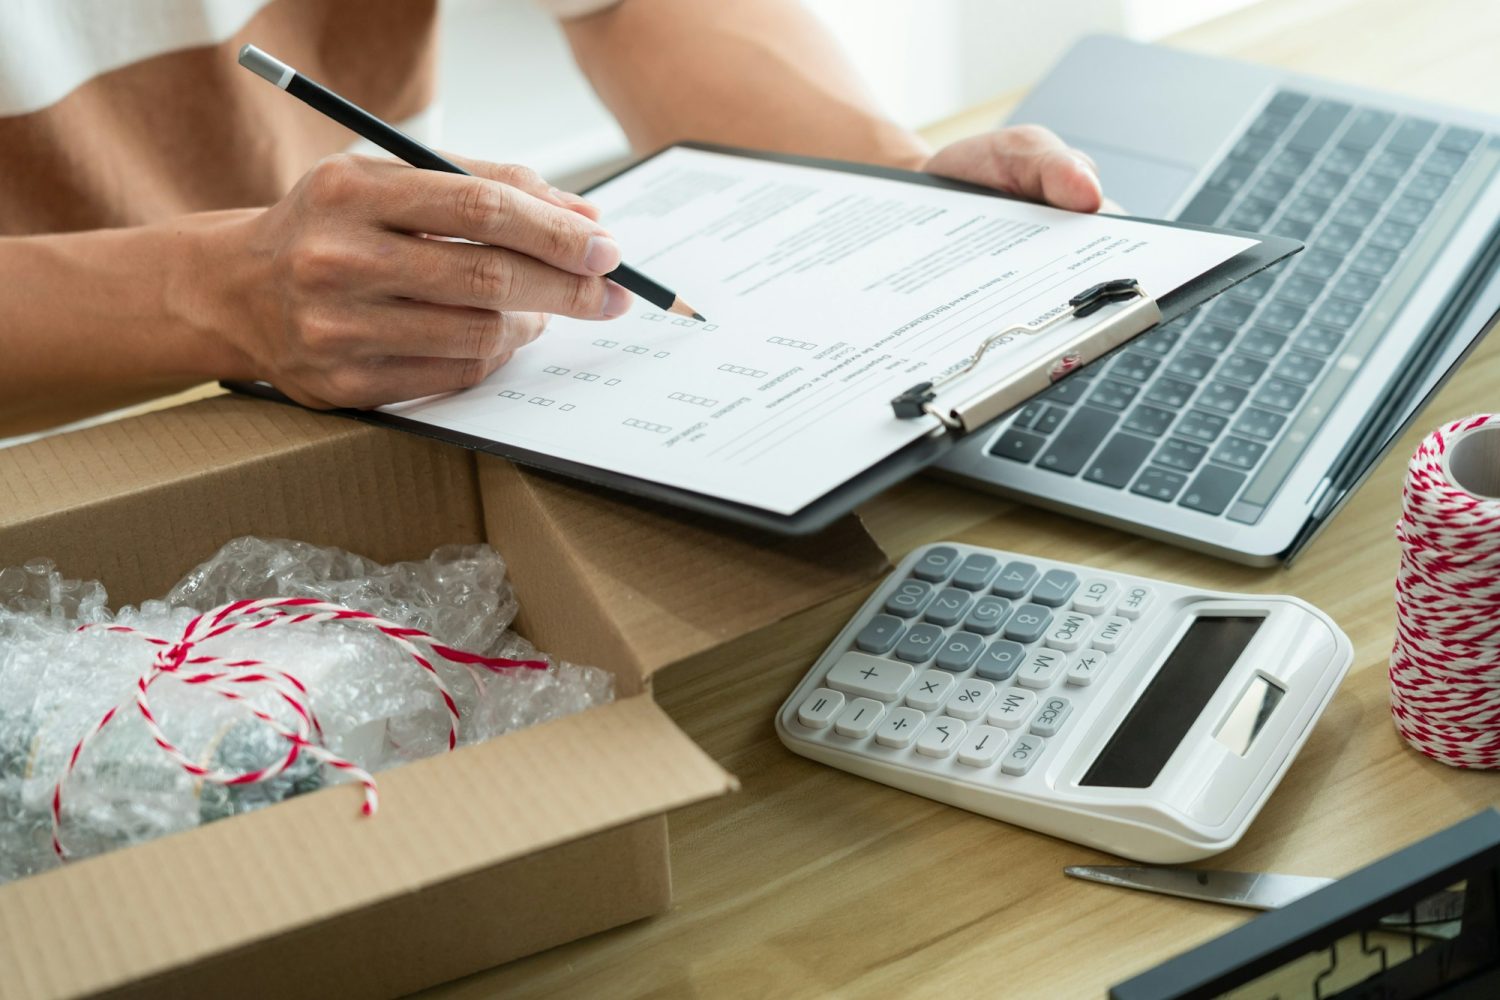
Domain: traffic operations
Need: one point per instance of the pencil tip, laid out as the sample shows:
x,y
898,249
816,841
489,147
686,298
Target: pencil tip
x,y
699,317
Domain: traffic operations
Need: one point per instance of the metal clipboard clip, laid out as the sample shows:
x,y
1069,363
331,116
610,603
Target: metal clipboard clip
x,y
1098,339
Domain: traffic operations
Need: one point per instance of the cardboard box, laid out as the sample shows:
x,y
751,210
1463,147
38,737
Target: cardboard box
x,y
476,857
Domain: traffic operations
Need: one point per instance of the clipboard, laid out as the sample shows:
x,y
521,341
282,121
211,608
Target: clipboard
x,y
1117,319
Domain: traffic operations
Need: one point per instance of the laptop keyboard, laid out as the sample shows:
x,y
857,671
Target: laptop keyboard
x,y
1211,411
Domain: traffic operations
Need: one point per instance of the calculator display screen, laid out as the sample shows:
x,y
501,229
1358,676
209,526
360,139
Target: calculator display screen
x,y
1156,723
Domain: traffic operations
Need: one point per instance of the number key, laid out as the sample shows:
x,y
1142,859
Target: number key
x,y
1028,623
936,563
948,607
879,635
920,643
976,571
987,615
1000,660
1056,587
1015,579
909,599
959,651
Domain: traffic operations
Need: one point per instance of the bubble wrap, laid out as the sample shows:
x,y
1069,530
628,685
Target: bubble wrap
x,y
375,705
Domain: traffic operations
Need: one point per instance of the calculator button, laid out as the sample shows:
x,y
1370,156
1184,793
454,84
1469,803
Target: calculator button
x,y
1056,587
987,615
1011,709
970,699
1111,634
1135,602
1095,596
920,643
1090,664
819,708
982,746
1014,579
1069,630
880,634
976,571
859,718
909,599
1050,717
1000,660
941,737
900,728
870,676
959,651
948,607
930,690
1041,668
936,564
1028,623
1023,754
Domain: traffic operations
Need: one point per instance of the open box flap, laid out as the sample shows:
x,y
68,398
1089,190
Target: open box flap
x,y
312,858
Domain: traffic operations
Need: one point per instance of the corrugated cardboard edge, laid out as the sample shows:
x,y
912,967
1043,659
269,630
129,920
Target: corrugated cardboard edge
x,y
665,584
237,879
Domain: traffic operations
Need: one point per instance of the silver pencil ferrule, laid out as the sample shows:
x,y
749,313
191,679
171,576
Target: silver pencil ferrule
x,y
266,66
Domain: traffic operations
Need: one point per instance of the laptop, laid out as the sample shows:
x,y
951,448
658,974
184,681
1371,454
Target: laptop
x,y
1241,428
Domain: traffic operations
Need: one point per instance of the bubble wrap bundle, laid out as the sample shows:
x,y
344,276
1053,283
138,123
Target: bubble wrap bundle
x,y
372,704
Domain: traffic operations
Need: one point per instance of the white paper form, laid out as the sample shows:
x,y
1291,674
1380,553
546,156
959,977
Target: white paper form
x,y
826,293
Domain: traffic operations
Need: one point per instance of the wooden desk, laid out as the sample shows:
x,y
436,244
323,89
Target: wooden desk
x,y
812,882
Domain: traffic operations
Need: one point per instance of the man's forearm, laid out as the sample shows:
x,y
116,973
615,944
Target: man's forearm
x,y
758,73
97,320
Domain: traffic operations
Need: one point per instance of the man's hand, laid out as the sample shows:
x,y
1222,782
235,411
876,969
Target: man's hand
x,y
355,290
1027,161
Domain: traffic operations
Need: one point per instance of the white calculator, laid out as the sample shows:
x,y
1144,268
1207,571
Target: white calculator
x,y
1136,716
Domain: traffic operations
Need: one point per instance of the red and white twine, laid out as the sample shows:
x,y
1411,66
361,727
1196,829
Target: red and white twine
x,y
236,679
1445,667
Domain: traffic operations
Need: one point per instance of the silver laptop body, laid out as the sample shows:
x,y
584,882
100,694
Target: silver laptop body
x,y
1240,430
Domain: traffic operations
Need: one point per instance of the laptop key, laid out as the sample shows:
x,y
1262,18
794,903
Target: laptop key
x,y
1343,160
1460,140
1176,453
1206,207
1392,235
1212,339
1159,484
1238,453
1426,185
1356,286
1339,313
1191,365
1019,446
1411,135
1292,229
1339,239
1319,340
1135,366
1113,394
1391,165
1272,188
1286,102
1365,129
1325,185
1279,395
1316,264
1282,316
1201,426
1212,489
1117,461
1231,175
1318,127
1252,214
1069,390
1222,397
1269,125
1161,340
1306,208
1290,163
1149,420
1073,446
1251,149
1374,261
1445,162
1242,369
1300,290
1374,187
1357,213
1050,420
1170,392
1298,367
1230,312
1257,423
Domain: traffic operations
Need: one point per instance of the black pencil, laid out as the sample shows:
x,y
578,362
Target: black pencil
x,y
399,144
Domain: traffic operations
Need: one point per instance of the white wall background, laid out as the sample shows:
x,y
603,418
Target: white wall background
x,y
511,93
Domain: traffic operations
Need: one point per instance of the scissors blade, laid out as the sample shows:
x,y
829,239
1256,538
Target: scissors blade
x,y
1254,890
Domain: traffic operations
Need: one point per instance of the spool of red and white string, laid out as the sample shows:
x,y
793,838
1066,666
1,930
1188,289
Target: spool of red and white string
x,y
1445,667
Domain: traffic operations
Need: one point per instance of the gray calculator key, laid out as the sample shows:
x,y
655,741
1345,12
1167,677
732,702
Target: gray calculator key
x,y
1015,578
909,599
1056,587
936,564
1000,660
879,634
919,643
987,615
948,607
1050,716
1028,623
1023,753
976,571
959,651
